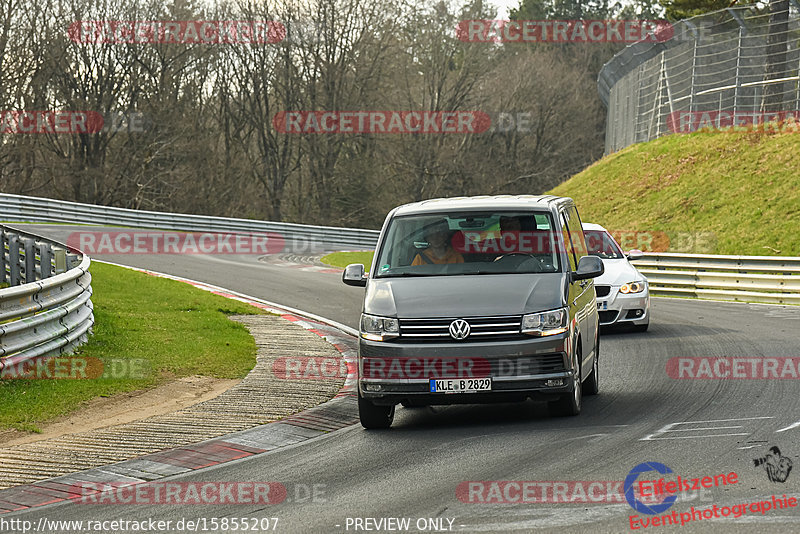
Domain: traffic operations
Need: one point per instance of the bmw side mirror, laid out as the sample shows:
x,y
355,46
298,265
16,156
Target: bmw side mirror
x,y
354,275
634,254
588,267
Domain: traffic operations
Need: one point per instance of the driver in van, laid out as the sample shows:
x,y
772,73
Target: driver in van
x,y
439,250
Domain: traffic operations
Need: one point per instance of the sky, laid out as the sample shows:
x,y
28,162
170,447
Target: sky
x,y
504,6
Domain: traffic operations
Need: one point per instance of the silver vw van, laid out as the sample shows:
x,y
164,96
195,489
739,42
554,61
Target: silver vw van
x,y
476,300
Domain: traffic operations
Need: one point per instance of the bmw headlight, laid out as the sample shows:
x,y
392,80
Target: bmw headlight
x,y
377,328
547,323
632,287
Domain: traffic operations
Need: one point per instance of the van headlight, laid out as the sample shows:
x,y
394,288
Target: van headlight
x,y
632,287
547,323
376,328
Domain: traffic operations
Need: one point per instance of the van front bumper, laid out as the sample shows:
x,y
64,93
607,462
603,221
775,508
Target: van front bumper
x,y
529,367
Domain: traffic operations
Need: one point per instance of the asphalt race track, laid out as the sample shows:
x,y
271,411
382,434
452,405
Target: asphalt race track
x,y
349,480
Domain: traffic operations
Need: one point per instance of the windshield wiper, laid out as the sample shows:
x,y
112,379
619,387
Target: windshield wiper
x,y
402,275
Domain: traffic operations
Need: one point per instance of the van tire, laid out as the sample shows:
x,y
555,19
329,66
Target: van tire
x,y
569,404
592,386
374,417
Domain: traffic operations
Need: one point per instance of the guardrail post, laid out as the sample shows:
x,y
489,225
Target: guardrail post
x,y
3,275
13,260
73,260
45,260
60,257
30,259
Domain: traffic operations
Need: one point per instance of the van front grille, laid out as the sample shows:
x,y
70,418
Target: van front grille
x,y
481,328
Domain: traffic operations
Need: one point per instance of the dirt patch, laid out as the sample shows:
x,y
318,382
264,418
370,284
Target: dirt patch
x,y
126,407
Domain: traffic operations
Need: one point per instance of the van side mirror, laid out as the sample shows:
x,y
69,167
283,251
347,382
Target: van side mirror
x,y
353,275
634,254
588,267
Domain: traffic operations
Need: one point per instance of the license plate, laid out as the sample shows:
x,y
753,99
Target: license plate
x,y
460,385
603,305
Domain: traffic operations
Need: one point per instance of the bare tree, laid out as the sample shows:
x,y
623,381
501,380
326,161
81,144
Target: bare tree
x,y
343,67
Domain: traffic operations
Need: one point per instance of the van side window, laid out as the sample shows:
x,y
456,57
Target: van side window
x,y
576,233
573,263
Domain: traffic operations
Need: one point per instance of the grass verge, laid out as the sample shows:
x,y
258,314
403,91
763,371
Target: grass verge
x,y
736,193
343,259
153,329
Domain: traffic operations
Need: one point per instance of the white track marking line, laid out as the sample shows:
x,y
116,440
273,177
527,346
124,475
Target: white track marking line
x,y
657,435
793,425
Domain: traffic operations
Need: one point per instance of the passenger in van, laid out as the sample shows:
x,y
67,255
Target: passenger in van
x,y
439,250
513,225
510,224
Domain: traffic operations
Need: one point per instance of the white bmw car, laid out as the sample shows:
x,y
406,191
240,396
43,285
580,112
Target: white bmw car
x,y
622,294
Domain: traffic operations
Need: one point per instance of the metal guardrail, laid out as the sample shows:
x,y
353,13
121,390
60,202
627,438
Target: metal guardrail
x,y
47,310
768,279
35,209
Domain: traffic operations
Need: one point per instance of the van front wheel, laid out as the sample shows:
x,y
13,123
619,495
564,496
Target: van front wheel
x,y
374,416
570,403
593,382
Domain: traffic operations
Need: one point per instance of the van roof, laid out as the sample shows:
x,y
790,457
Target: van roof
x,y
500,202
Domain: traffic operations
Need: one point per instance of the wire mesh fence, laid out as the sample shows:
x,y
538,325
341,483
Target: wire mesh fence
x,y
729,68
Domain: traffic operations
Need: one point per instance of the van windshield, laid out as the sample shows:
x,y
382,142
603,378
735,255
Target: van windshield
x,y
469,243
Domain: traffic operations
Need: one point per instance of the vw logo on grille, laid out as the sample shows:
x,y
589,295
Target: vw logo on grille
x,y
459,329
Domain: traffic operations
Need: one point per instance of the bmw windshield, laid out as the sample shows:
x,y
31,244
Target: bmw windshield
x,y
602,245
469,243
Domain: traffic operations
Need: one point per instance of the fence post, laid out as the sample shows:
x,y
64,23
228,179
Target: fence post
x,y
656,111
797,83
740,43
693,84
797,89
756,98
